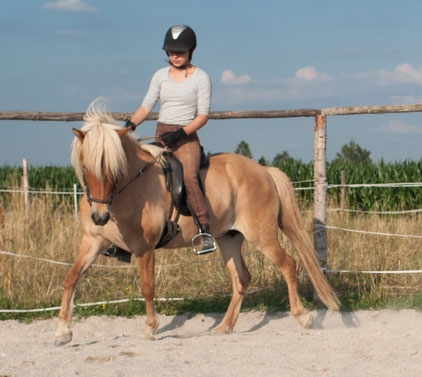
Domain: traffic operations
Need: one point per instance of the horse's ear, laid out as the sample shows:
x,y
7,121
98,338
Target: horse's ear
x,y
123,132
79,134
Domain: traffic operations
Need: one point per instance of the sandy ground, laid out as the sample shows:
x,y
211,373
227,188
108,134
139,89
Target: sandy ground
x,y
365,343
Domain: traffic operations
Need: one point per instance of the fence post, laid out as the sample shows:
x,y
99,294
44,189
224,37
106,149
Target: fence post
x,y
25,185
75,200
320,188
343,191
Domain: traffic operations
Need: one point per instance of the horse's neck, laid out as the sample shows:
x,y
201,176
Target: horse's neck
x,y
137,157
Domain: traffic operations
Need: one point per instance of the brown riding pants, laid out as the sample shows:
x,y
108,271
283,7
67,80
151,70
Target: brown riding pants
x,y
188,152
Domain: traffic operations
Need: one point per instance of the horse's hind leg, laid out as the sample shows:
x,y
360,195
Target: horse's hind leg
x,y
230,248
88,252
287,266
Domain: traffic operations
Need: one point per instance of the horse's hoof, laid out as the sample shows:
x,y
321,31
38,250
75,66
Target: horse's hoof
x,y
305,319
63,339
149,333
219,330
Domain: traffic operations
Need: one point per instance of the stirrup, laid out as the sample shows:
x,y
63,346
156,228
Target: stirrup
x,y
208,238
117,252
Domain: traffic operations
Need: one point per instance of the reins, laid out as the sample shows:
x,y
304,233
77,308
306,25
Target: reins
x,y
146,138
113,194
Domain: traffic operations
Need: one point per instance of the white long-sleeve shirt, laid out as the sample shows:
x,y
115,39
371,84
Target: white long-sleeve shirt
x,y
180,102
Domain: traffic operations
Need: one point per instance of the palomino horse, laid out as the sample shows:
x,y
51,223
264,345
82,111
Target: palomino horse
x,y
245,200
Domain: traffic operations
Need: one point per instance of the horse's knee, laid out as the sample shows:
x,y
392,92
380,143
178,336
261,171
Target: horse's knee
x,y
240,275
148,291
242,281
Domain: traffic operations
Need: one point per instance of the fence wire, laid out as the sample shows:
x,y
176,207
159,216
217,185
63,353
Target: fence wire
x,y
320,228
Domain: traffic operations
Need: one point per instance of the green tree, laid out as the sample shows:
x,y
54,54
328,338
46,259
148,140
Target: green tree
x,y
282,157
352,153
243,149
263,161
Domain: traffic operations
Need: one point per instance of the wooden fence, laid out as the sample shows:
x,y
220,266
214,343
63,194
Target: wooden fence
x,y
320,143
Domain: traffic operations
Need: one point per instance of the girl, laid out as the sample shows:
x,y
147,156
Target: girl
x,y
184,92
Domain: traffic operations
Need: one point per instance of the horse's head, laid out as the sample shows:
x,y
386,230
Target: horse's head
x,y
99,159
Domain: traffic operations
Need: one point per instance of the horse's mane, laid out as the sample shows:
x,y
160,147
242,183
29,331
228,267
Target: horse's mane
x,y
102,150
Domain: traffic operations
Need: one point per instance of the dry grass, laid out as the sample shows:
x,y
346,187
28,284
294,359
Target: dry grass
x,y
50,231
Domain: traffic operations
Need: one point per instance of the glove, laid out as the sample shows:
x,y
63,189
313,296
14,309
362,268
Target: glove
x,y
170,138
130,125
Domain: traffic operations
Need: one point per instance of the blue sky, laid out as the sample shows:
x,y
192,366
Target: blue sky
x,y
266,55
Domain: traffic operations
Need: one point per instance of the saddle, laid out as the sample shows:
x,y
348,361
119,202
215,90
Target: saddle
x,y
173,173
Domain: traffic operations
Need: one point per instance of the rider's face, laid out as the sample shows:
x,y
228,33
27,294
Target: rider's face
x,y
178,59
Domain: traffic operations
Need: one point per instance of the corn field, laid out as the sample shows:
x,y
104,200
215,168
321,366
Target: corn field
x,y
367,198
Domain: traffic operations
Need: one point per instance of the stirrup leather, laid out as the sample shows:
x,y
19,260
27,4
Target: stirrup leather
x,y
199,240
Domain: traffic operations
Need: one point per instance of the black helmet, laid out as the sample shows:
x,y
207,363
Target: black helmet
x,y
179,38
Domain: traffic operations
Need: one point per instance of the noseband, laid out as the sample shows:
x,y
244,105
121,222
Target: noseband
x,y
115,193
95,200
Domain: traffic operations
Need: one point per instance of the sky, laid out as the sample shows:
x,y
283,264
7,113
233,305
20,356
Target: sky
x,y
59,55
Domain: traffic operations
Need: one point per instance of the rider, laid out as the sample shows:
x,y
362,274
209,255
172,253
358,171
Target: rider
x,y
184,91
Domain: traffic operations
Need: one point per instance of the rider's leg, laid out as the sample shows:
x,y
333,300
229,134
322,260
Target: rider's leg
x,y
189,154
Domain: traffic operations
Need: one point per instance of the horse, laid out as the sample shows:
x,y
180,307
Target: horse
x,y
245,201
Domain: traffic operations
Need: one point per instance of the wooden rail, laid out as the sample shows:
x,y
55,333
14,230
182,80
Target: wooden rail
x,y
74,117
372,110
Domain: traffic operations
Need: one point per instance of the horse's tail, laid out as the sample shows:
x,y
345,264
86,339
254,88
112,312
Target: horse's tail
x,y
291,224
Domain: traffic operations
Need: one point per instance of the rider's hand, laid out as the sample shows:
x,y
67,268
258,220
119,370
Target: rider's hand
x,y
131,125
170,138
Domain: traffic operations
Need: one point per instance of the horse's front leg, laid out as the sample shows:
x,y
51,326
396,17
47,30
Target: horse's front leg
x,y
145,262
88,252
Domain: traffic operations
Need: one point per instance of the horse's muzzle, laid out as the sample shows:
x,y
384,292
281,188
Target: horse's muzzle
x,y
100,220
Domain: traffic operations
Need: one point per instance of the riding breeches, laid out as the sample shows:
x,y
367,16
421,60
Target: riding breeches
x,y
188,152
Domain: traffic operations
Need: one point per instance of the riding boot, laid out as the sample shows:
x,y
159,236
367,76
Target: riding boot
x,y
116,252
207,240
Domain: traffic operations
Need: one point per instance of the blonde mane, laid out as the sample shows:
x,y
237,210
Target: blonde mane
x,y
102,150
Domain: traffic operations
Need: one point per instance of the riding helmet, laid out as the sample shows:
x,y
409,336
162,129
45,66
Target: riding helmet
x,y
179,38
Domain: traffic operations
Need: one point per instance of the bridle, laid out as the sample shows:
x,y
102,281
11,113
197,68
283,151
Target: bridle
x,y
114,194
95,200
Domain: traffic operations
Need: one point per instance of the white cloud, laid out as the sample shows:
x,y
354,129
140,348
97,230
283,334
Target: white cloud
x,y
70,5
396,126
307,73
308,87
403,74
228,77
310,74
